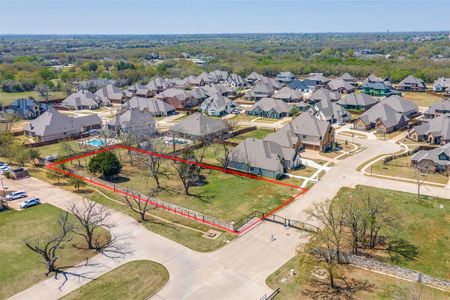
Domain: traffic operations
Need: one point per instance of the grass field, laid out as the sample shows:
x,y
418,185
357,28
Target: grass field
x,y
143,279
423,223
57,149
421,98
179,229
365,284
401,167
7,98
21,268
257,134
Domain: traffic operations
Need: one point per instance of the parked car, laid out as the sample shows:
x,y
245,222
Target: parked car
x,y
16,195
30,202
2,164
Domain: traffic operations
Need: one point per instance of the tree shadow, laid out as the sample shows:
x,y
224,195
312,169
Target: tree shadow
x,y
345,289
401,250
118,179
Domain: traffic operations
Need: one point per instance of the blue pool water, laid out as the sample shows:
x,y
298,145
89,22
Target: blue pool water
x,y
96,143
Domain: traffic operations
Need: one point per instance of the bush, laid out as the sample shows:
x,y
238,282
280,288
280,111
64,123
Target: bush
x,y
105,163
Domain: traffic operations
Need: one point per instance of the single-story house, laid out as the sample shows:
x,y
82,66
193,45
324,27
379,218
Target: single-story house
x,y
53,125
442,84
178,98
286,138
139,90
324,94
27,108
436,160
84,99
378,89
287,94
372,78
348,78
259,91
264,158
329,111
285,77
269,108
218,105
158,85
157,108
318,78
434,131
411,83
357,101
134,121
199,126
235,80
110,94
341,86
437,109
253,77
305,86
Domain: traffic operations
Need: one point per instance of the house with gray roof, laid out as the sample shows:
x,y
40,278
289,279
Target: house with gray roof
x,y
139,90
436,160
253,77
329,111
178,98
269,108
263,158
53,125
27,108
218,105
110,94
434,131
259,91
318,78
223,90
287,139
285,77
157,108
138,122
372,78
388,115
199,126
235,80
287,94
411,83
442,84
324,94
305,86
84,99
437,109
360,102
348,78
341,86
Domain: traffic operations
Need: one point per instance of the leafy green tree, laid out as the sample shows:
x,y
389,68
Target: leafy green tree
x,y
105,163
77,183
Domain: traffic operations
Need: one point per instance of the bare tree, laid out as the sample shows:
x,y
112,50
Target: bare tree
x,y
419,175
151,162
43,91
189,170
138,205
377,217
49,248
7,123
91,217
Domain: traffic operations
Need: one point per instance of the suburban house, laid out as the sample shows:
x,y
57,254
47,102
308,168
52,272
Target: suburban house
x,y
360,102
134,121
84,99
332,112
253,77
341,86
155,107
372,78
198,126
194,80
436,160
437,109
27,108
178,98
285,77
313,133
412,83
264,158
434,131
223,90
287,94
348,78
53,125
378,89
110,94
305,86
218,105
318,78
235,80
139,90
269,108
388,115
158,84
287,139
442,84
324,94
259,91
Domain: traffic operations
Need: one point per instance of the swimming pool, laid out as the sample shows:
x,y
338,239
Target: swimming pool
x,y
96,143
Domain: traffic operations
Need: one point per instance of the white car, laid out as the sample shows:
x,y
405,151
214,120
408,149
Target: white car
x,y
30,202
16,195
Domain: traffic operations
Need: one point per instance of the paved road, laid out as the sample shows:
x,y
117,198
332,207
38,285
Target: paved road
x,y
238,270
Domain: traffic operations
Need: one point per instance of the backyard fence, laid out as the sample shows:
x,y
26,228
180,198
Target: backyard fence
x,y
388,159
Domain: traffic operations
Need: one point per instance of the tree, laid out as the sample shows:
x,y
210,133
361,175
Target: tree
x,y
7,123
43,91
77,183
419,175
54,176
138,205
105,163
49,248
91,217
188,170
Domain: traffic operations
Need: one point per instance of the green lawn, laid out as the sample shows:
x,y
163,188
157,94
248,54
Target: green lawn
x,y
58,149
7,98
421,98
423,223
21,268
257,134
172,226
367,285
138,279
401,167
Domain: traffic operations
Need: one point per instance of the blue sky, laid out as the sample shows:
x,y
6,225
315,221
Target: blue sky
x,y
219,16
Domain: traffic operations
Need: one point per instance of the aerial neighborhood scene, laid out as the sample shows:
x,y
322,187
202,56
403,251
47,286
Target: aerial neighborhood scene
x,y
224,149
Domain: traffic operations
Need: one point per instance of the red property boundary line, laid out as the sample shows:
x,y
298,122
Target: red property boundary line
x,y
53,166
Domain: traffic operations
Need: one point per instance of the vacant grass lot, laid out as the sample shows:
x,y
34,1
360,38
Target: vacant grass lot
x,y
257,134
7,98
20,267
138,279
401,167
423,223
421,98
366,285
